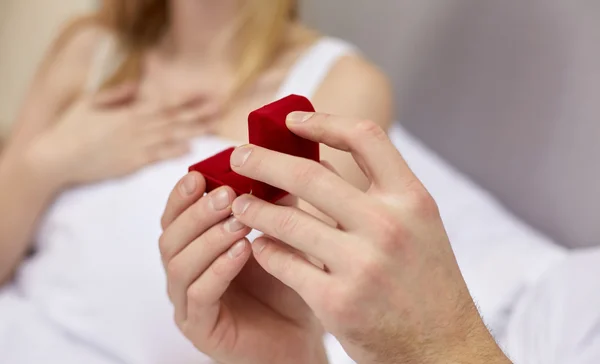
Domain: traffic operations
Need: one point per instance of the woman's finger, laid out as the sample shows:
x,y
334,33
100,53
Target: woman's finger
x,y
367,141
195,221
159,133
196,113
194,259
290,268
292,226
115,96
305,179
187,191
174,102
204,295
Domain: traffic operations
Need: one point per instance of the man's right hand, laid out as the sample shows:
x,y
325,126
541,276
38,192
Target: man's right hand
x,y
225,303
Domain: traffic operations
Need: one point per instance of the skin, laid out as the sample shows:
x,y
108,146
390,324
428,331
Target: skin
x,y
58,140
387,286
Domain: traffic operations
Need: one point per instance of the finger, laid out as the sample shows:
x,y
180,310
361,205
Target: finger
x,y
373,151
116,96
196,113
290,268
187,191
195,221
205,293
165,132
194,259
169,111
292,226
175,101
305,179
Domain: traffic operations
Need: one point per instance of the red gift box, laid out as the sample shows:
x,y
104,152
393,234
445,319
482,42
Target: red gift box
x,y
267,129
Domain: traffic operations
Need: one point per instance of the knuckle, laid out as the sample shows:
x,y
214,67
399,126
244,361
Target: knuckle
x,y
195,296
307,172
287,223
319,126
369,271
391,232
369,129
174,270
339,303
163,246
420,203
388,229
281,264
164,222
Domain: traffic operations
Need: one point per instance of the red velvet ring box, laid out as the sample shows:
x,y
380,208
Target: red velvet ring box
x,y
267,129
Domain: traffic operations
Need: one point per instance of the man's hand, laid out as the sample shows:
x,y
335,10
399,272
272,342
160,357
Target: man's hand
x,y
390,290
225,303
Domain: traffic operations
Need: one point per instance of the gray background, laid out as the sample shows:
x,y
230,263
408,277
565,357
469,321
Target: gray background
x,y
508,91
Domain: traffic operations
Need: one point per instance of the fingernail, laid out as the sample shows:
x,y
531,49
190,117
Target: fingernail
x,y
299,116
237,249
240,156
240,205
258,246
233,225
189,185
219,200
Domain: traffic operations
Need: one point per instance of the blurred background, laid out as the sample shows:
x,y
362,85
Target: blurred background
x,y
507,91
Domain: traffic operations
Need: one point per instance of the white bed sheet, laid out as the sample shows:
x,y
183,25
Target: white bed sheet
x,y
500,258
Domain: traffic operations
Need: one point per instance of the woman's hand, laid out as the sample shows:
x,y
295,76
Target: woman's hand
x,y
391,290
113,134
225,303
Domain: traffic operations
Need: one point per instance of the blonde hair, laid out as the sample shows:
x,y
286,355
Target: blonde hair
x,y
140,24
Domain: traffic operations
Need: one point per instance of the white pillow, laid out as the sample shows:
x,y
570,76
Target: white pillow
x,y
499,255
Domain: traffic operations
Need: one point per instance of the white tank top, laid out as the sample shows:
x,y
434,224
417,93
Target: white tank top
x,y
97,277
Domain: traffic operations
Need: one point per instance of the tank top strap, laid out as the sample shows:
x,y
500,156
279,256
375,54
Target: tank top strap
x,y
312,68
104,62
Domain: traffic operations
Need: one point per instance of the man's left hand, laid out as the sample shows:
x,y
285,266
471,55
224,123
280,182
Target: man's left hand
x,y
390,288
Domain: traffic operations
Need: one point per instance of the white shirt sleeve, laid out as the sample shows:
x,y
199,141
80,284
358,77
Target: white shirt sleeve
x,y
558,320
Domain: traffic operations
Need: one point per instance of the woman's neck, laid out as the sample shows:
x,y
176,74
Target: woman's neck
x,y
199,29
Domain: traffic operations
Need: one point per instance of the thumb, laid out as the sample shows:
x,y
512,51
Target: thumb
x,y
115,96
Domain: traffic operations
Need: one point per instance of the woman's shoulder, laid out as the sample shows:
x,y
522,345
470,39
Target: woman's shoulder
x,y
354,69
69,58
355,86
60,77
333,72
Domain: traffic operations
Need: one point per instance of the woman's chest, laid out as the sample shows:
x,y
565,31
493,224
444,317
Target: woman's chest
x,y
121,214
227,108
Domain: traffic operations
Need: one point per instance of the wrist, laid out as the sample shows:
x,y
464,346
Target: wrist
x,y
310,349
43,163
476,346
467,342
